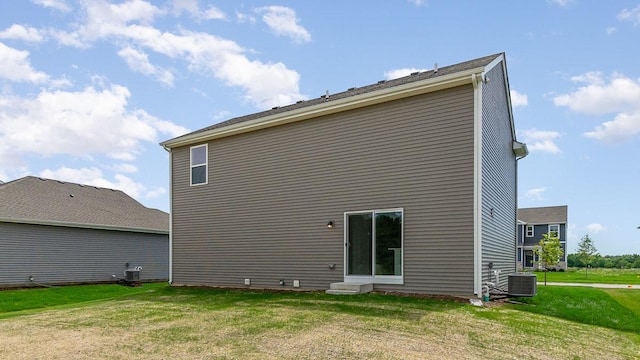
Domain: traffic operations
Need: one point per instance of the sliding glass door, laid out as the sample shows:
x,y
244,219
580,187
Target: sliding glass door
x,y
373,242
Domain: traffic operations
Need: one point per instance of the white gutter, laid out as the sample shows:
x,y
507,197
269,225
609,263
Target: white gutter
x,y
83,226
477,81
330,107
170,216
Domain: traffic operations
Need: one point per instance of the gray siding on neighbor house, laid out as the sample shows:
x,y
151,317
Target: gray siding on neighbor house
x,y
498,180
538,231
270,194
58,255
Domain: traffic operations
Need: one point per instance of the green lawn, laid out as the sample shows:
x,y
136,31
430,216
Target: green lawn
x,y
603,276
15,301
612,308
158,321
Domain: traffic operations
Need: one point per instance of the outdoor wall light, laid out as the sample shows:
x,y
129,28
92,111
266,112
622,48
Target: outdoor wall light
x,y
330,225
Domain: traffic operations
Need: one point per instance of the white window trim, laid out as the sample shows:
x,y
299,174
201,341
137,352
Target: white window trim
x,y
549,229
526,231
206,164
375,279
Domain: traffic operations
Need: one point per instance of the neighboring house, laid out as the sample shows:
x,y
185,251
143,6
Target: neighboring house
x,y
54,232
532,223
406,184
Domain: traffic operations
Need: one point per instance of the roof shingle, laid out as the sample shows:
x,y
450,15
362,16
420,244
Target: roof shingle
x,y
380,85
36,200
544,215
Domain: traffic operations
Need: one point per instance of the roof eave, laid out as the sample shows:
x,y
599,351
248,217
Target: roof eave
x,y
331,107
84,226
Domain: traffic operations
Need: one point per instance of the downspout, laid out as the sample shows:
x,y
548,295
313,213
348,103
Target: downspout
x,y
520,151
170,214
476,80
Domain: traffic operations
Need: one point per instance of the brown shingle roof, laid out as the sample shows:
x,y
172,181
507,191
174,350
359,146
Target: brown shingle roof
x,y
43,201
381,85
544,215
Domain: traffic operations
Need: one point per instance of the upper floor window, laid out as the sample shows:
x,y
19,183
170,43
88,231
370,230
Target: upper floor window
x,y
554,230
529,230
199,164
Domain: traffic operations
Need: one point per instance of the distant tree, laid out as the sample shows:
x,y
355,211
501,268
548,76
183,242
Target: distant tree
x,y
573,261
549,252
586,253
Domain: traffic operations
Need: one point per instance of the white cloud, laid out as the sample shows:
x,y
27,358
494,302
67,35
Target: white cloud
x,y
283,22
264,84
124,167
562,3
595,228
24,33
81,124
535,194
15,66
622,127
213,13
60,5
398,73
599,97
221,115
139,62
540,140
632,15
618,94
611,30
518,99
192,7
242,18
417,2
155,193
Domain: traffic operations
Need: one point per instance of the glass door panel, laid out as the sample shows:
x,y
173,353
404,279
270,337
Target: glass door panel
x,y
359,244
388,243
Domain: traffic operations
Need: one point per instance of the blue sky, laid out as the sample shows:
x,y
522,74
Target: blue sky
x,y
89,88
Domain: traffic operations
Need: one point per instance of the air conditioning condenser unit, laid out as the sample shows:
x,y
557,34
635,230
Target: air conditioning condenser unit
x,y
522,284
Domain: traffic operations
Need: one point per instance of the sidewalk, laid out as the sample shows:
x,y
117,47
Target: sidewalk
x,y
605,286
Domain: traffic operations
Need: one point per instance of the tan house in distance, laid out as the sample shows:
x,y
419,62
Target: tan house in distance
x,y
404,185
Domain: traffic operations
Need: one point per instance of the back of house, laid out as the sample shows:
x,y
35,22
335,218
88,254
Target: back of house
x,y
406,184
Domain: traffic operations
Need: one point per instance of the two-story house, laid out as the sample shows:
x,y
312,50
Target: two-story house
x,y
405,185
532,223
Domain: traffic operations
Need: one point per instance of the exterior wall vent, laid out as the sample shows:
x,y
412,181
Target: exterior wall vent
x,y
522,284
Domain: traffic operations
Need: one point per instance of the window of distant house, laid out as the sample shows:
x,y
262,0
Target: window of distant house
x,y
529,230
199,164
554,230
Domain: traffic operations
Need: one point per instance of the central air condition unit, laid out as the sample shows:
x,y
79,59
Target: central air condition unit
x,y
522,284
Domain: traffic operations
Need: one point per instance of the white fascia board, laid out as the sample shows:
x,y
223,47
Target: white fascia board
x,y
331,107
83,226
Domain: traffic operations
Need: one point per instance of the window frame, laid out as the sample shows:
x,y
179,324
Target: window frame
x,y
376,279
529,231
205,164
558,231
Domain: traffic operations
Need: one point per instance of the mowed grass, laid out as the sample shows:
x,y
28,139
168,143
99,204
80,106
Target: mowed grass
x,y
612,308
603,276
205,323
12,302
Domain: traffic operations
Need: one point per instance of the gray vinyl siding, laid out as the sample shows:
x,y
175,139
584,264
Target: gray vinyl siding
x,y
498,180
540,229
271,193
59,255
